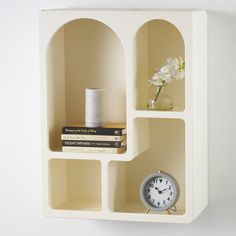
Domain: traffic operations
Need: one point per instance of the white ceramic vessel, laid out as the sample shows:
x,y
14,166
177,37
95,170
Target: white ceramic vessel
x,y
94,107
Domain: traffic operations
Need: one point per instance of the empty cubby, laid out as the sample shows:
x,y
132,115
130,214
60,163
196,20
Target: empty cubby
x,y
75,185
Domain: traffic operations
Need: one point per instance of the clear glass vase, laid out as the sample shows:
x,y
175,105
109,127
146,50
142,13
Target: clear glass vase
x,y
160,102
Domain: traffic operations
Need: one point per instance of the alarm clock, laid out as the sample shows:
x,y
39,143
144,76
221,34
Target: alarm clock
x,y
159,192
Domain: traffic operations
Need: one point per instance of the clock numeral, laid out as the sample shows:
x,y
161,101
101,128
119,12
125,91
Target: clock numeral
x,y
160,180
166,181
153,200
169,187
147,190
151,185
155,180
168,198
158,203
149,196
171,193
164,202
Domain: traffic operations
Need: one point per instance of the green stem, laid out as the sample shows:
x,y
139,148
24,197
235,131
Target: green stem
x,y
159,90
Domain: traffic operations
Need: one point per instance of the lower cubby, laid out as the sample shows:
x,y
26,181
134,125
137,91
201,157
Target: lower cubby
x,y
75,185
166,153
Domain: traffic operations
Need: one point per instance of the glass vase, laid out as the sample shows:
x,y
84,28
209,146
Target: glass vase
x,y
160,102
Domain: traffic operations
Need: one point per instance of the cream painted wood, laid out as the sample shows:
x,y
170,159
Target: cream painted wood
x,y
119,50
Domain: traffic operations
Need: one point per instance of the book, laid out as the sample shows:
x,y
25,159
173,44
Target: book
x,y
93,137
100,150
105,130
82,143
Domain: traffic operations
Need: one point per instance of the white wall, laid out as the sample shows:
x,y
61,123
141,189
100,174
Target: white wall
x,y
20,166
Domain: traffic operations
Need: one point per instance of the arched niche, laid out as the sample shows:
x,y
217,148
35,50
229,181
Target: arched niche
x,y
83,53
156,41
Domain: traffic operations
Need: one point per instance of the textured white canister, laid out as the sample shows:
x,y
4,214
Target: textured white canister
x,y
94,107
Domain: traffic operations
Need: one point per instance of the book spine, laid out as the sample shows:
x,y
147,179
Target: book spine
x,y
93,150
94,131
92,137
108,144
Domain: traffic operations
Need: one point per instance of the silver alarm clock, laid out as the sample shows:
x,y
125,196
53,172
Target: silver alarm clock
x,y
159,192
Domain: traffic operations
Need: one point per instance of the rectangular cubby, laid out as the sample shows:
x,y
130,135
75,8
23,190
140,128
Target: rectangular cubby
x,y
166,153
75,185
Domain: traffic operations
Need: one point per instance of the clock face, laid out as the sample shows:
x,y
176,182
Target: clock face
x,y
159,191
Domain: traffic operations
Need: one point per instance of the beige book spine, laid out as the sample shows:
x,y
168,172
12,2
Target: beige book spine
x,y
94,150
92,137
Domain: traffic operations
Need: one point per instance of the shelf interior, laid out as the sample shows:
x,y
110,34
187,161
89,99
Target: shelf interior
x,y
156,41
75,185
84,53
166,152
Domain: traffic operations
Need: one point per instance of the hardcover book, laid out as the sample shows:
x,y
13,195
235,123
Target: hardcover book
x,y
93,137
110,129
82,143
102,150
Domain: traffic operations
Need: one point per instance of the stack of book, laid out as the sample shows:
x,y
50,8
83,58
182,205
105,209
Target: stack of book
x,y
106,139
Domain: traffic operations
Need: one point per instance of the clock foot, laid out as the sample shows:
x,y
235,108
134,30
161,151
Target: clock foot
x,y
171,209
174,208
147,211
168,210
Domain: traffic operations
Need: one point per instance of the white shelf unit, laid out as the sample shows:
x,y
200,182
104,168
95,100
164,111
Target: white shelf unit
x,y
119,50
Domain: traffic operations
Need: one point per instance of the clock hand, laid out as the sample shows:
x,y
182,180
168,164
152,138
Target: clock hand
x,y
158,190
164,189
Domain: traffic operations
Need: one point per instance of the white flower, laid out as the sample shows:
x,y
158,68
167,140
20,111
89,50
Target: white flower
x,y
181,61
180,75
157,83
165,69
174,63
174,69
156,80
164,76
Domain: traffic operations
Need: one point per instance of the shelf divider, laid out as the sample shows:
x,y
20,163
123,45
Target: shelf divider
x,y
159,114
